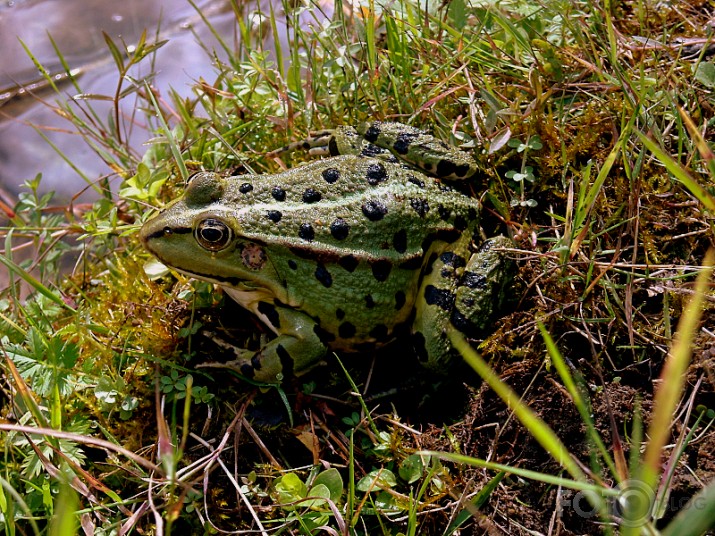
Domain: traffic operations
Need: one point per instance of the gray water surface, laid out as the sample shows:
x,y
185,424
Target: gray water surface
x,y
76,27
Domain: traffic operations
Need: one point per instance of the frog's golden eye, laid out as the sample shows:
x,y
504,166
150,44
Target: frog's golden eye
x,y
213,234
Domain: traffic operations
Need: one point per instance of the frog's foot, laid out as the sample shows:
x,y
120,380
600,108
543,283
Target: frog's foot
x,y
246,362
316,144
292,353
252,364
342,140
270,364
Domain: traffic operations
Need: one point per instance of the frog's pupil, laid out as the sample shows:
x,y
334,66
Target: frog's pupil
x,y
211,235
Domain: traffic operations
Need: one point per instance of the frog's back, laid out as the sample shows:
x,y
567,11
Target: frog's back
x,y
350,205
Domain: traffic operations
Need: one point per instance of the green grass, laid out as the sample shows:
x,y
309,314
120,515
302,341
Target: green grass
x,y
596,159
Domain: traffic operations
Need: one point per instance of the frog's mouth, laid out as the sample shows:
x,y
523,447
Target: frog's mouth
x,y
226,282
147,235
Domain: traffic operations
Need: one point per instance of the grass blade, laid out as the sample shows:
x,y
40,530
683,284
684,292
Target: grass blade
x,y
581,404
697,517
673,375
540,431
34,283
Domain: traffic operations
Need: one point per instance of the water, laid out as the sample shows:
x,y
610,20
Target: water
x,y
76,27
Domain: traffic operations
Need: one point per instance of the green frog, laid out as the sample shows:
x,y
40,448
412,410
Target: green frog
x,y
344,253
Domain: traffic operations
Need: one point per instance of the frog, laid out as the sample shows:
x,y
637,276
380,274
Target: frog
x,y
346,253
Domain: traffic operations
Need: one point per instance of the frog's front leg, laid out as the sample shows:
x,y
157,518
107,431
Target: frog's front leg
x,y
462,290
294,351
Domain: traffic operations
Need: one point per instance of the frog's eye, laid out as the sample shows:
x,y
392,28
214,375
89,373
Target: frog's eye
x,y
213,234
191,177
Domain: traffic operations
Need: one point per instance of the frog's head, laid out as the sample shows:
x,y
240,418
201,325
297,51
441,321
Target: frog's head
x,y
199,235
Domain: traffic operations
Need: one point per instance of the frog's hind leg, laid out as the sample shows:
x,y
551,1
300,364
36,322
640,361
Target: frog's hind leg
x,y
420,149
341,140
483,287
435,303
461,290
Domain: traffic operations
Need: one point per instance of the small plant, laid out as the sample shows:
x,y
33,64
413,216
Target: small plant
x,y
322,488
112,394
177,386
526,173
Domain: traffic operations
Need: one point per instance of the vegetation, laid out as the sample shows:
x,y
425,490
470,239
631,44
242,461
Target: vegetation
x,y
592,124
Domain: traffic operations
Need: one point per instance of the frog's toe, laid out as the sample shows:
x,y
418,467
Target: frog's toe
x,y
319,151
252,366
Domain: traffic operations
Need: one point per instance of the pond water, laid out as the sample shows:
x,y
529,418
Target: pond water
x,y
76,26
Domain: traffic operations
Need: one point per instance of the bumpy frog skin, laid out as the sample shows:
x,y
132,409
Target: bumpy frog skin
x,y
345,253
